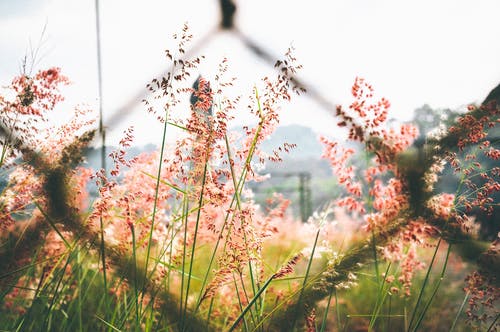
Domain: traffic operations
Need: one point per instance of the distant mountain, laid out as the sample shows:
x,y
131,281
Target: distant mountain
x,y
307,147
305,138
93,155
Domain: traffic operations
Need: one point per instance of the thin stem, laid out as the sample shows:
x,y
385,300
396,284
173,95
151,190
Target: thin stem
x,y
493,323
250,304
459,311
247,298
426,280
405,312
337,309
389,314
380,301
210,308
52,224
375,258
325,315
299,302
243,311
79,290
136,291
198,216
55,295
157,189
185,214
103,262
441,277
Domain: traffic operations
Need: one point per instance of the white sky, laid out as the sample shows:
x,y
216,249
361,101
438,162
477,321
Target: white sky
x,y
445,53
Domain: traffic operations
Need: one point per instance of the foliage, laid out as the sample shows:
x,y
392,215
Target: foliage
x,y
175,241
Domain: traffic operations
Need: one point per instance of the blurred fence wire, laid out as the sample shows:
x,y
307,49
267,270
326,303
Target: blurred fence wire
x,y
227,24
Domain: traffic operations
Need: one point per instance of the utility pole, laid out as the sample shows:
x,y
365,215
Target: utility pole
x,y
305,195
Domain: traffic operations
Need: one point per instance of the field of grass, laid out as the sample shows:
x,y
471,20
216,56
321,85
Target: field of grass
x,y
174,240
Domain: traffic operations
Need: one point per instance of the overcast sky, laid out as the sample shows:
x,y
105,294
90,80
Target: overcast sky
x,y
445,53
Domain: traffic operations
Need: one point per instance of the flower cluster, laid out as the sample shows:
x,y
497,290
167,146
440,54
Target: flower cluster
x,y
379,193
365,121
22,114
